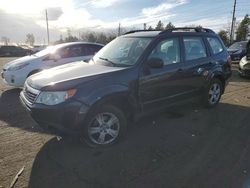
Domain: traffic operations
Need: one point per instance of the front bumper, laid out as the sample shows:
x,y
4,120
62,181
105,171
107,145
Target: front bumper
x,y
67,117
12,78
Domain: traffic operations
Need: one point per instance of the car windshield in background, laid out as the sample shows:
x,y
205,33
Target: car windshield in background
x,y
238,45
123,51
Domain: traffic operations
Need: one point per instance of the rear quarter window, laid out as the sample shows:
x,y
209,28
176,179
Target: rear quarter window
x,y
215,45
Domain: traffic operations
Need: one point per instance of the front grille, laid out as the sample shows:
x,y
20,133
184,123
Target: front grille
x,y
30,93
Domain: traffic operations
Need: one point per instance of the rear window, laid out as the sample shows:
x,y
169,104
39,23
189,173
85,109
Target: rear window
x,y
215,45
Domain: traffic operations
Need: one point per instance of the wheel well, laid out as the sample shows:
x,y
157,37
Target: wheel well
x,y
33,72
220,77
120,101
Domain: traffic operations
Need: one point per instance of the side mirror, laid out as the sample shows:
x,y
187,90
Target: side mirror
x,y
155,63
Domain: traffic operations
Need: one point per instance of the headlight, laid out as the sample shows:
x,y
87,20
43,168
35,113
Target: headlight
x,y
243,61
53,98
17,67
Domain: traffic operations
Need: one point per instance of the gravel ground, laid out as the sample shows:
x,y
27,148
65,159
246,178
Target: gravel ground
x,y
186,146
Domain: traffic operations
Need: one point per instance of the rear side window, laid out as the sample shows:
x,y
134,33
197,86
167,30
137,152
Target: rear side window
x,y
194,48
91,49
70,51
215,45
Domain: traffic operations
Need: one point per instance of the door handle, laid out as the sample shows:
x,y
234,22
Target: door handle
x,y
179,70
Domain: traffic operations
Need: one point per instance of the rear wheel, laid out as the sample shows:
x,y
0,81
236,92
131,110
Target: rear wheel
x,y
213,93
106,125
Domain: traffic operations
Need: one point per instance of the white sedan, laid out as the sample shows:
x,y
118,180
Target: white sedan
x,y
16,72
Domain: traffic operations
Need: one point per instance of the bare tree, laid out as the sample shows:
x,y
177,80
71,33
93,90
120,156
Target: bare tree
x,y
159,26
169,26
224,37
5,40
30,39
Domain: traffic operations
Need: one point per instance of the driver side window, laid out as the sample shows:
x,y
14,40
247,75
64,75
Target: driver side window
x,y
167,50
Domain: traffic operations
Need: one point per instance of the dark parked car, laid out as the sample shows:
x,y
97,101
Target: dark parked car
x,y
237,50
133,75
13,51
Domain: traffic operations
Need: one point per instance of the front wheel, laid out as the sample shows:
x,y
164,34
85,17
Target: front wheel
x,y
105,125
213,93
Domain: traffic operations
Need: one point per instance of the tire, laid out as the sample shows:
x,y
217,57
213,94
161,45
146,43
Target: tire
x,y
104,126
213,93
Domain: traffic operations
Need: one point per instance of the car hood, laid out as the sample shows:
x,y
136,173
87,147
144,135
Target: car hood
x,y
19,61
75,73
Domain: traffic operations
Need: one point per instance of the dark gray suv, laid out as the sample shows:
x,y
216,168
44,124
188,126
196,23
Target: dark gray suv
x,y
133,75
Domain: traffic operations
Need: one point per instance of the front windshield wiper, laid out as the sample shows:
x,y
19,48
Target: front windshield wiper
x,y
106,59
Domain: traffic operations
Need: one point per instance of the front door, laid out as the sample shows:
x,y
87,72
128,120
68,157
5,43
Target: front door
x,y
160,86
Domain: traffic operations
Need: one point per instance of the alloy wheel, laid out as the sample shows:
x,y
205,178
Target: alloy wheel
x,y
214,93
104,128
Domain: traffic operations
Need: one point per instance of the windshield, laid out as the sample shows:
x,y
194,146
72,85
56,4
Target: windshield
x,y
238,45
122,51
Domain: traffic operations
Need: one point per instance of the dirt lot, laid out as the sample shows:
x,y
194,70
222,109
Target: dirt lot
x,y
185,147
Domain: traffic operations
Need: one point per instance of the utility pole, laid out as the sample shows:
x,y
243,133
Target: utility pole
x,y
119,29
46,13
232,24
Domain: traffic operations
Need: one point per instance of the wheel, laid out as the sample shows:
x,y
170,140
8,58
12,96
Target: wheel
x,y
105,126
213,93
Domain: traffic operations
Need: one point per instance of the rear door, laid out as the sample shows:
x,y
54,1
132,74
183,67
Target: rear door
x,y
196,63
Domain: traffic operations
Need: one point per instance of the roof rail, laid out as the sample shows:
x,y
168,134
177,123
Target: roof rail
x,y
135,31
195,29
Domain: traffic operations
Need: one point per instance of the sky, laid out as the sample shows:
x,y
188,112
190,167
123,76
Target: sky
x,y
19,17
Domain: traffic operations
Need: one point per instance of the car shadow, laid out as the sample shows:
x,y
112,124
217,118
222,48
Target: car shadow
x,y
185,146
13,113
